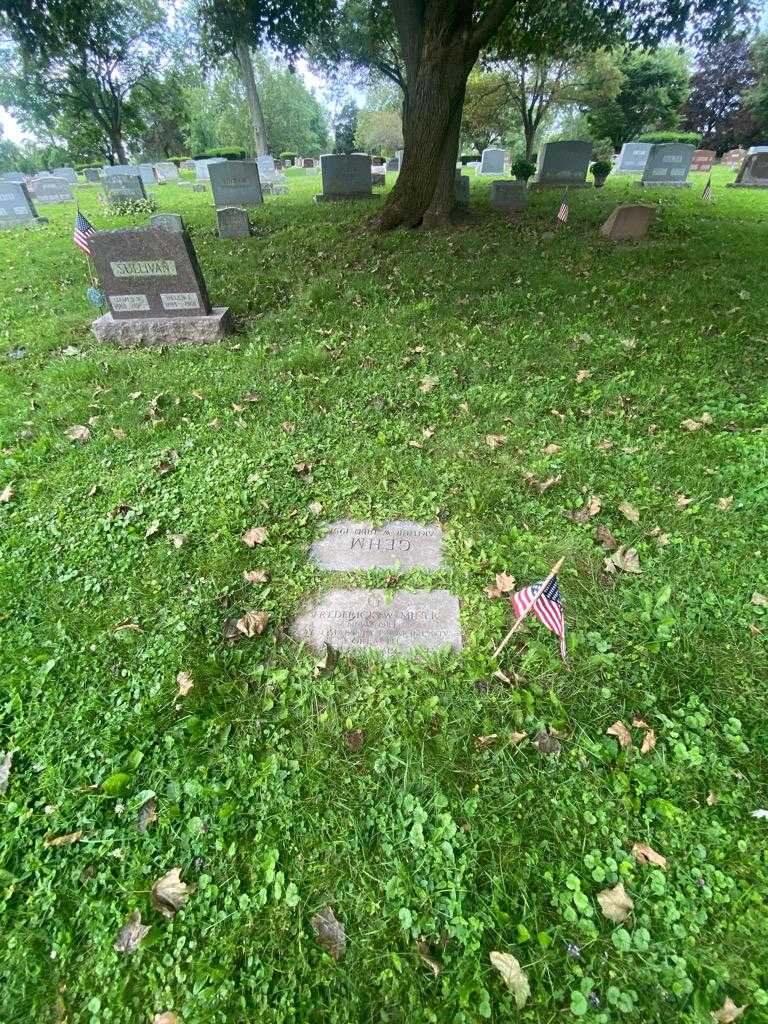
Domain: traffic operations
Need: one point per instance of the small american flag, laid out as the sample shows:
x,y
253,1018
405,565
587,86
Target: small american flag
x,y
562,213
83,231
547,609
706,195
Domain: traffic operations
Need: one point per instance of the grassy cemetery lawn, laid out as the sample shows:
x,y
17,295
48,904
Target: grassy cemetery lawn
x,y
541,395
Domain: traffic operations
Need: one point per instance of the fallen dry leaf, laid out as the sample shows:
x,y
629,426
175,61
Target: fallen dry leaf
x,y
759,599
661,538
119,433
629,512
289,427
177,539
516,738
590,509
483,742
6,494
691,425
728,1012
551,449
428,382
184,679
169,893
169,1017
711,799
621,733
504,585
649,741
327,663
354,739
428,433
131,934
625,559
256,535
615,903
147,814
78,432
513,976
723,504
683,502
255,576
605,445
582,375
67,840
152,529
495,440
423,950
330,933
315,508
547,743
604,536
645,854
5,772
253,623
542,485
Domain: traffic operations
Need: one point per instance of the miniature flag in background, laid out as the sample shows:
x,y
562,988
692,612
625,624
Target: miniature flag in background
x,y
706,195
548,607
83,231
562,213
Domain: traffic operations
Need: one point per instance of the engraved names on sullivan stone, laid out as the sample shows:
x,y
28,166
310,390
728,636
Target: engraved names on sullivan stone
x,y
399,545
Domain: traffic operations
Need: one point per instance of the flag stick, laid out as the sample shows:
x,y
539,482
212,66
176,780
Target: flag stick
x,y
518,622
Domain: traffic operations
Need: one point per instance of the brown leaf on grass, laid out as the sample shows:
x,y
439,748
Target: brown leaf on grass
x,y
542,485
590,509
255,576
711,799
605,445
289,427
428,383
152,529
327,663
662,539
330,933
67,840
621,733
78,432
683,502
484,742
185,682
315,508
354,739
645,854
177,539
147,815
547,743
5,771
119,433
649,741
253,623
728,1012
513,976
624,559
504,585
724,504
422,947
516,738
169,893
127,624
582,375
629,512
256,535
551,449
495,440
604,536
560,415
428,433
167,464
302,467
706,419
691,425
6,494
759,599
131,934
169,1017
615,903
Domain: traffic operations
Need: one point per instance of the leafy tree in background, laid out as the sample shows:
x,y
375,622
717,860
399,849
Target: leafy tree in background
x,y
488,116
379,131
345,129
757,99
717,106
653,91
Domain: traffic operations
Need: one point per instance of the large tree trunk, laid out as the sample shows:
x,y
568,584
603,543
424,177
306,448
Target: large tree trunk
x,y
258,125
440,41
118,146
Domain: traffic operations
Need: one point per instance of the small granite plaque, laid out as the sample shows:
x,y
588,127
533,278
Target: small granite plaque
x,y
167,221
235,183
372,620
399,545
509,196
16,206
630,221
232,222
52,190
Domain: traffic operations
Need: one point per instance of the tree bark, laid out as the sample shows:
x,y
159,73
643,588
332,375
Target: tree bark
x,y
258,126
118,146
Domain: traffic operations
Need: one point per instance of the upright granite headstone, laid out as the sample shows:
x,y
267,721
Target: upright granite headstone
x,y
629,221
123,186
236,183
461,189
564,163
154,289
167,222
378,177
67,173
668,165
393,164
146,172
345,176
402,624
166,172
509,196
202,167
703,159
753,172
92,174
266,165
492,161
232,222
399,545
632,158
733,158
52,190
16,206
16,176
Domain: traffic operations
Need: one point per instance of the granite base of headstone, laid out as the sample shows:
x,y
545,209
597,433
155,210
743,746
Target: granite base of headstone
x,y
509,196
397,546
628,222
401,624
154,333
753,172
167,221
232,222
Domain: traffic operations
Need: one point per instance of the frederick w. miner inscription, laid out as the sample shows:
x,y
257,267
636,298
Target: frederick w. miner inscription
x,y
400,545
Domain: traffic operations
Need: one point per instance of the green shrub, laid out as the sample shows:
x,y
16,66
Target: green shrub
x,y
122,205
523,169
228,152
693,138
288,156
177,159
601,168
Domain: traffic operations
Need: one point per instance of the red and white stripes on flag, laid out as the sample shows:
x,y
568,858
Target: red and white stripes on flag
x,y
546,605
562,213
83,231
706,195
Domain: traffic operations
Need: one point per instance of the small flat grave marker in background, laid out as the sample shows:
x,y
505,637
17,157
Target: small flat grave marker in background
x,y
492,161
92,174
166,172
52,190
372,620
167,221
399,545
235,183
627,222
16,206
232,222
667,165
509,196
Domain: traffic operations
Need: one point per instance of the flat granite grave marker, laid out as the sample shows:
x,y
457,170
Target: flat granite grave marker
x,y
345,176
154,288
167,221
52,190
667,165
628,221
703,159
16,206
632,158
509,196
373,620
232,222
492,161
67,173
399,545
235,183
123,186
753,172
563,163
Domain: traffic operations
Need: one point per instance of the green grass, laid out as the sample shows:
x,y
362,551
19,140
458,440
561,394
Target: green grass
x,y
260,801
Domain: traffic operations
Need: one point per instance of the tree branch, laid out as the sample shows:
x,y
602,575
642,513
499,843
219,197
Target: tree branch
x,y
489,23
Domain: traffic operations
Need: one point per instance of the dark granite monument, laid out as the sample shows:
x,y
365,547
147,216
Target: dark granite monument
x,y
345,176
123,186
667,165
232,222
52,190
563,163
509,196
753,172
16,206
